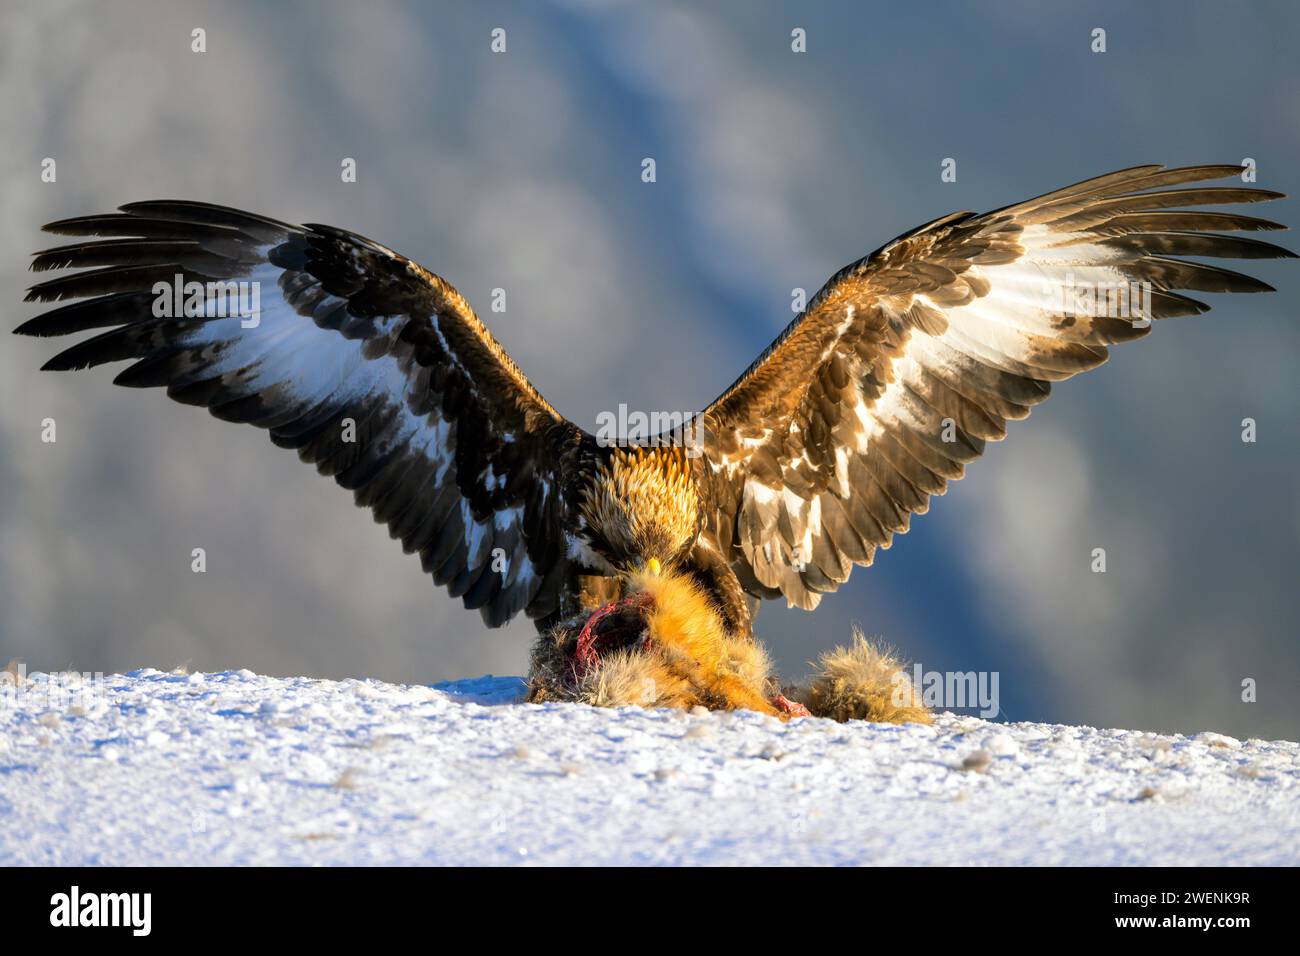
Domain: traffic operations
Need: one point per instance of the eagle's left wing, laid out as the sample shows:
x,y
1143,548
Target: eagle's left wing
x,y
374,369
908,361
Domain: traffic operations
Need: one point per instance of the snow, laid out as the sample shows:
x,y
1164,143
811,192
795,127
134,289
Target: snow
x,y
236,768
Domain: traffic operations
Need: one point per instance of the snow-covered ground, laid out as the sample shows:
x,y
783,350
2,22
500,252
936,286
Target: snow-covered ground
x,y
237,768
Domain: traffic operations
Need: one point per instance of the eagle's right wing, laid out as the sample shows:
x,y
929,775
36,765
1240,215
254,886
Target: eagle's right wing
x,y
374,369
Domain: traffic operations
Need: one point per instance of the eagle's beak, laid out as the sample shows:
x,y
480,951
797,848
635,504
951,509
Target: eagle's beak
x,y
652,566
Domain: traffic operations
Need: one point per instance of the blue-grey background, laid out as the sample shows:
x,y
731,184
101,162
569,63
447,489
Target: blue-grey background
x,y
522,171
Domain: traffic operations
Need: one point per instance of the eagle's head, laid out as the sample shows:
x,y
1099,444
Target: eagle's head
x,y
642,508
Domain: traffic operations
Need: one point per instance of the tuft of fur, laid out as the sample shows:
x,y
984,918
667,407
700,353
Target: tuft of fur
x,y
633,678
863,682
548,664
676,652
14,673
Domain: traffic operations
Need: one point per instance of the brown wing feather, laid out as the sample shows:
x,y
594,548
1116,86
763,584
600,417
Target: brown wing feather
x,y
372,368
908,361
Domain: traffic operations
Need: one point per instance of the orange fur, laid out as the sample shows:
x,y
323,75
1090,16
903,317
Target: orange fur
x,y
690,660
685,629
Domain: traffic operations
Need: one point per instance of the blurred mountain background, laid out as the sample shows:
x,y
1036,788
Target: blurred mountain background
x,y
522,170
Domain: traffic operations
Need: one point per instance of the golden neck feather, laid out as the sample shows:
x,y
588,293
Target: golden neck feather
x,y
643,502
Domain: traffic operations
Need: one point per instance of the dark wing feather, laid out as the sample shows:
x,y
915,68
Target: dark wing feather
x,y
908,361
372,368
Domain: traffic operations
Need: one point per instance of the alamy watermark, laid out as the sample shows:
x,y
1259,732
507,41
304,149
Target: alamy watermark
x,y
1075,297
67,691
949,690
217,299
635,429
75,908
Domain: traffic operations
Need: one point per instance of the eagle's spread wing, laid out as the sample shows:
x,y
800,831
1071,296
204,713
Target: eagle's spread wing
x,y
908,361
375,370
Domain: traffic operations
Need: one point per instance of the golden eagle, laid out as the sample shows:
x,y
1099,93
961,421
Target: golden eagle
x,y
902,366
